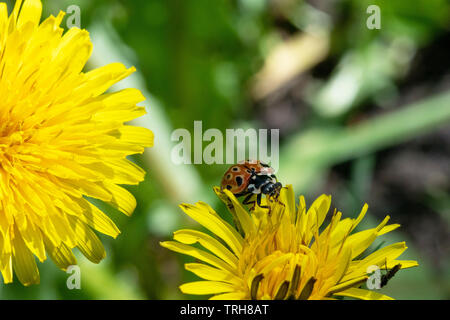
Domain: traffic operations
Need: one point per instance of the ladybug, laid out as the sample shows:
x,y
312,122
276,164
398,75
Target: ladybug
x,y
248,178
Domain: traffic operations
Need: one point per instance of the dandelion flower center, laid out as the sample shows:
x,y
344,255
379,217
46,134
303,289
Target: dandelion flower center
x,y
63,140
282,252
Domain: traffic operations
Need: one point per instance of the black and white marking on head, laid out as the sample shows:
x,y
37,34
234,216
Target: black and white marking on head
x,y
252,188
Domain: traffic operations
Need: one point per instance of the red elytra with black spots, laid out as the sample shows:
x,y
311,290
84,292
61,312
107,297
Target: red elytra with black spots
x,y
237,177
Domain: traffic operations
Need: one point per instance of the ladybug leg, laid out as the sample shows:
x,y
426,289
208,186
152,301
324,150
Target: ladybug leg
x,y
275,194
258,201
247,199
248,202
254,202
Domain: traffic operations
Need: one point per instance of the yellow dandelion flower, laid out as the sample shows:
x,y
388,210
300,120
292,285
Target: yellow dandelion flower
x,y
61,140
282,252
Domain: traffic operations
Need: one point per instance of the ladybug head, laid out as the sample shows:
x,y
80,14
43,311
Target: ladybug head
x,y
272,189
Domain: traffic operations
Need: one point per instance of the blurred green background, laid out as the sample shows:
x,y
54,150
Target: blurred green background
x,y
364,115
